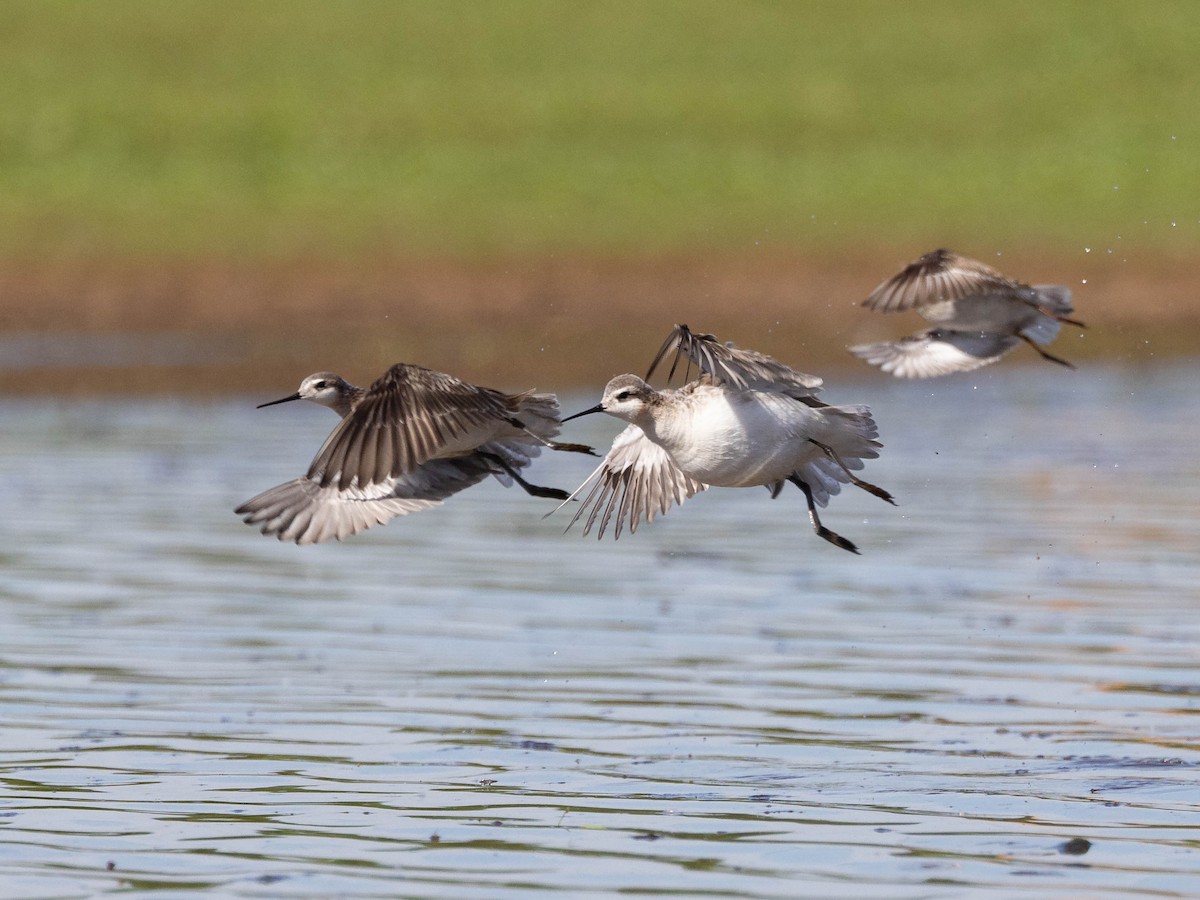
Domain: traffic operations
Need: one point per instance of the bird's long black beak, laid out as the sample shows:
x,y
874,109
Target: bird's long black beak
x,y
295,396
599,407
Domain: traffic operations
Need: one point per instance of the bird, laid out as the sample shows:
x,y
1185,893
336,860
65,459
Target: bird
x,y
404,444
747,420
978,315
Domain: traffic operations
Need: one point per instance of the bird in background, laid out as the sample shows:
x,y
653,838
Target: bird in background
x,y
747,420
406,443
978,316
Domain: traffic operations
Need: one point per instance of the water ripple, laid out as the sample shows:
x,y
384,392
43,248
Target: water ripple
x,y
998,699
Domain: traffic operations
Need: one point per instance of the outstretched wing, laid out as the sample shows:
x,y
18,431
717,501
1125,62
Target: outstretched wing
x,y
636,480
410,416
726,364
939,276
307,512
936,352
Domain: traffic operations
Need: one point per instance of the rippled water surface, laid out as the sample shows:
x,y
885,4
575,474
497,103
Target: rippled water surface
x,y
998,698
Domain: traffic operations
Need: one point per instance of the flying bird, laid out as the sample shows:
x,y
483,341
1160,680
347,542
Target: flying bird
x,y
746,420
978,316
406,443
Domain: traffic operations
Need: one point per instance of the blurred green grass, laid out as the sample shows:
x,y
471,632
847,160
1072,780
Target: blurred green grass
x,y
476,130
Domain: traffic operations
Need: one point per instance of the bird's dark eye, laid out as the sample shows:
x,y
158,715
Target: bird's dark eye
x,y
321,385
624,395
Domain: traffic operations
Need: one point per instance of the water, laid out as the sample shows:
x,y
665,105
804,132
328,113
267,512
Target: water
x,y
467,703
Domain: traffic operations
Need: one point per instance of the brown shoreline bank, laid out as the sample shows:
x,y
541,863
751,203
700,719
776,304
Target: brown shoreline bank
x,y
216,328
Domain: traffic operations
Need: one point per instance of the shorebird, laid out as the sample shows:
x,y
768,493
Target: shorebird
x,y
978,316
747,420
406,443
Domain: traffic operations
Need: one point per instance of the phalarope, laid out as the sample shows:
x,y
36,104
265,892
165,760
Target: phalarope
x,y
410,440
747,420
978,316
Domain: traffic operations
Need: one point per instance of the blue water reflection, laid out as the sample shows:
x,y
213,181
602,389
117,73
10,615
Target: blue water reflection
x,y
469,703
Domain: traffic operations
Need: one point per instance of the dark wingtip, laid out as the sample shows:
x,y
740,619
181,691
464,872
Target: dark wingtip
x,y
671,343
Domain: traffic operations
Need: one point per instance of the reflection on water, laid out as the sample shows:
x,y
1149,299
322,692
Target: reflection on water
x,y
469,703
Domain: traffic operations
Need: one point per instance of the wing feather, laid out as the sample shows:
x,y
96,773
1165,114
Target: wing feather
x,y
307,512
939,276
405,419
936,351
636,481
729,365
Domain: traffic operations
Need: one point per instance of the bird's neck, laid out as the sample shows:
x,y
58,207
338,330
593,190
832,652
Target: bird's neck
x,y
343,404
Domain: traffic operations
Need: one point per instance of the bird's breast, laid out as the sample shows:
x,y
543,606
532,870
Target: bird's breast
x,y
730,439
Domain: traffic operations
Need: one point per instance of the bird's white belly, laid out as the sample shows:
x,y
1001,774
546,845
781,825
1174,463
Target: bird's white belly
x,y
737,440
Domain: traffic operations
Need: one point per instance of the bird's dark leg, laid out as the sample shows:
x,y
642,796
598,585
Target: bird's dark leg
x,y
836,539
531,489
1059,316
1054,315
854,479
553,445
569,448
1043,353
